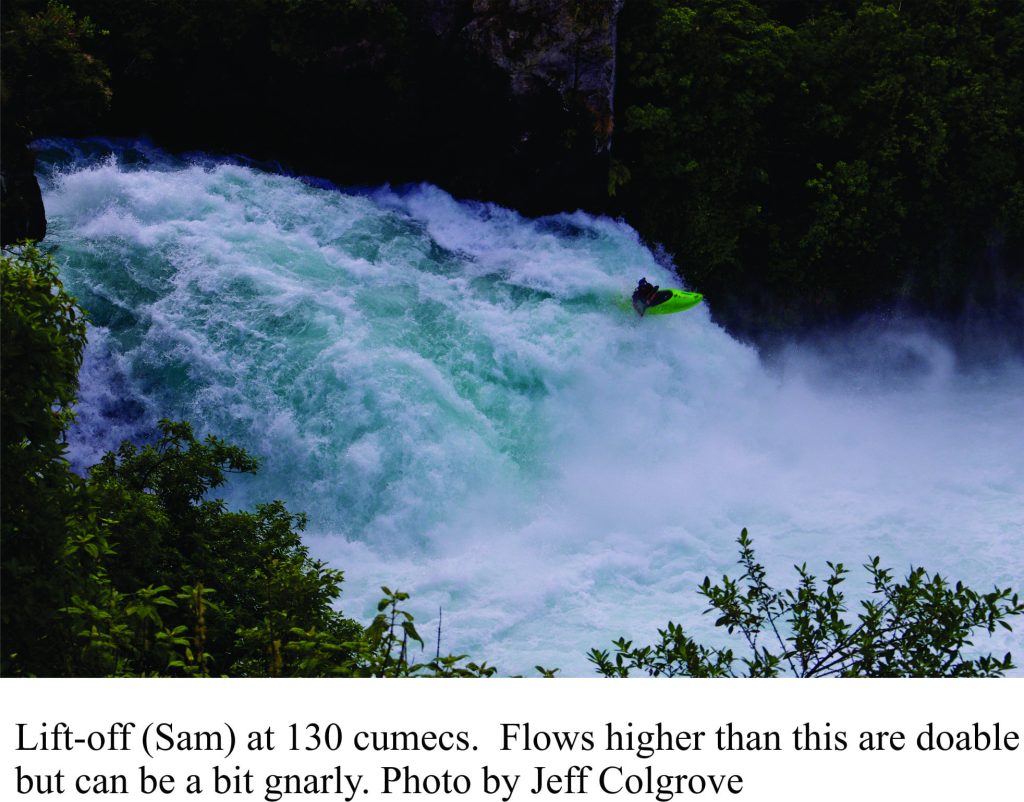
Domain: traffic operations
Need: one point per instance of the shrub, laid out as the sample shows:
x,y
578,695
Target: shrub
x,y
915,628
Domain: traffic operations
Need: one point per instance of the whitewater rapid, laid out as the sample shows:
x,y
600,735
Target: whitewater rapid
x,y
455,396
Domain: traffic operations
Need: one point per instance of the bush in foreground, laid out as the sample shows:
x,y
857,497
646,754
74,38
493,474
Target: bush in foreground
x,y
916,628
136,569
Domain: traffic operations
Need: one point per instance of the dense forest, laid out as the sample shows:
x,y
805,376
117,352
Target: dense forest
x,y
829,157
803,163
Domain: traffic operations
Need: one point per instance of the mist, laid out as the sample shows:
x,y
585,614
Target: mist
x,y
457,397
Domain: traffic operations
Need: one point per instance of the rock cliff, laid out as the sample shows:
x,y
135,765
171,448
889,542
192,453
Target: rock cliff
x,y
21,207
567,48
556,62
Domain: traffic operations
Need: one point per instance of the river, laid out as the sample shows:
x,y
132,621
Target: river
x,y
456,397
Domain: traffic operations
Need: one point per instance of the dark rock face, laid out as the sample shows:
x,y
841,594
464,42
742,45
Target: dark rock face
x,y
542,45
500,100
21,210
552,66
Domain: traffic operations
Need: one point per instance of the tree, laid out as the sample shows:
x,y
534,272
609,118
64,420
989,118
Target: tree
x,y
166,532
808,162
43,336
916,628
136,569
116,573
51,84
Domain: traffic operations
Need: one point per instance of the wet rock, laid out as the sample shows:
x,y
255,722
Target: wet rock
x,y
567,48
21,208
541,102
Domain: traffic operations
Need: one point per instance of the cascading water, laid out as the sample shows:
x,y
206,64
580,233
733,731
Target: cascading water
x,y
454,396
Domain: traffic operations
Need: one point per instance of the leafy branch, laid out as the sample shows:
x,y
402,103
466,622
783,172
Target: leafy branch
x,y
920,627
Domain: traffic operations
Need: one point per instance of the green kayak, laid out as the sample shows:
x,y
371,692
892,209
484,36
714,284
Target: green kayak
x,y
679,301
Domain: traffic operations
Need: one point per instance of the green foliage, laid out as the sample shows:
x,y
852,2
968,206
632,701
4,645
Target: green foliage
x,y
106,575
249,601
43,335
916,628
50,82
804,161
162,531
699,78
135,569
381,650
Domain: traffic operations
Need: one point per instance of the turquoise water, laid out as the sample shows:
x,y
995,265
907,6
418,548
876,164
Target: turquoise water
x,y
452,393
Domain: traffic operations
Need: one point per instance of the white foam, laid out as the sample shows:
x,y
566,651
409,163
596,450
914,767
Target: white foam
x,y
451,392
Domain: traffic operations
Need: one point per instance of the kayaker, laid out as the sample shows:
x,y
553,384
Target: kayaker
x,y
643,295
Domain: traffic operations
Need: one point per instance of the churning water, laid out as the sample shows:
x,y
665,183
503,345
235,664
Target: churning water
x,y
455,396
